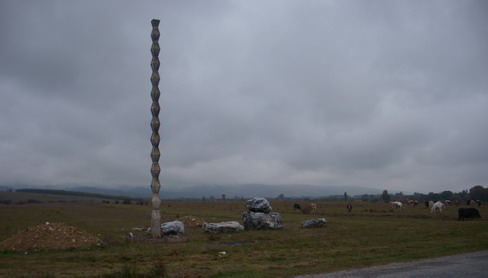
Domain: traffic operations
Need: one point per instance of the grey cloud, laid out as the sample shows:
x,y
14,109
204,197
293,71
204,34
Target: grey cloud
x,y
375,93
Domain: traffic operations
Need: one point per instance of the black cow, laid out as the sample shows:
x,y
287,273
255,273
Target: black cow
x,y
468,213
297,206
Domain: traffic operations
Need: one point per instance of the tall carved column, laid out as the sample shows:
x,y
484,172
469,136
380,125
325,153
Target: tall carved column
x,y
155,154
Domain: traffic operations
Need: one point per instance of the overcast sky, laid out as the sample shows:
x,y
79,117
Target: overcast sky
x,y
385,94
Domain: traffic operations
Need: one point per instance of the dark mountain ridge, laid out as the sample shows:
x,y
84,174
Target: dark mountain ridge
x,y
207,191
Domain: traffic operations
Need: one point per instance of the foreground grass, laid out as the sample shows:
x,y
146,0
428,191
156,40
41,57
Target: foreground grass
x,y
372,234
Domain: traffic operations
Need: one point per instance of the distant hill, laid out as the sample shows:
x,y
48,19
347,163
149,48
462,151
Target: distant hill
x,y
231,191
5,188
106,191
71,193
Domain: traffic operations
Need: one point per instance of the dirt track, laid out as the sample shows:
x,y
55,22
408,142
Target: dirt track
x,y
472,265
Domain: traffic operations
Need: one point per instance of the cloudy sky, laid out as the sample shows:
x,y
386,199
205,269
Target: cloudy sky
x,y
386,94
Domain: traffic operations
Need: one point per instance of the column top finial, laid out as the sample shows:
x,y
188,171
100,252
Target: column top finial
x,y
155,22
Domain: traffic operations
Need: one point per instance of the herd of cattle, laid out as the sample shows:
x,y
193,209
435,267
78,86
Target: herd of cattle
x,y
435,207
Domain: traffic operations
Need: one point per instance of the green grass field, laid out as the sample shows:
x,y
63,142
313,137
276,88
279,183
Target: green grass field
x,y
372,234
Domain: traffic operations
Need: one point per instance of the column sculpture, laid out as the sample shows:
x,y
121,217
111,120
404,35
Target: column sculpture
x,y
155,154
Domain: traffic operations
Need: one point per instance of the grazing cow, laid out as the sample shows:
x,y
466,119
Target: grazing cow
x,y
437,207
415,203
410,202
297,207
349,207
313,207
426,204
468,213
478,202
397,205
448,202
471,203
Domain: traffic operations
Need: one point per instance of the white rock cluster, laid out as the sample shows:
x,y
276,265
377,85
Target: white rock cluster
x,y
260,216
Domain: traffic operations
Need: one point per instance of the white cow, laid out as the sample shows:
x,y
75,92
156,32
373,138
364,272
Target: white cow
x,y
437,207
313,207
397,205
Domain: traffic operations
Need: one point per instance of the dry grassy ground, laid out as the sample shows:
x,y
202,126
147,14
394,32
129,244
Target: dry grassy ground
x,y
373,233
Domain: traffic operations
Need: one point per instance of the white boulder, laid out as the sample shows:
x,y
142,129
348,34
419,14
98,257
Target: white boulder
x,y
223,227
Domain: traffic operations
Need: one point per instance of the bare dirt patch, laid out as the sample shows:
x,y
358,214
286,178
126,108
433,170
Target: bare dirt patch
x,y
50,236
192,221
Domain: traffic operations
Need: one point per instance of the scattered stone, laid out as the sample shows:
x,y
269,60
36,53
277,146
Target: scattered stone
x,y
260,220
223,227
50,236
313,223
258,204
173,228
259,215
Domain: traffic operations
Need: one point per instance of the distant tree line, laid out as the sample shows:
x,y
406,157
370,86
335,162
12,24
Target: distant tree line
x,y
212,198
477,192
21,202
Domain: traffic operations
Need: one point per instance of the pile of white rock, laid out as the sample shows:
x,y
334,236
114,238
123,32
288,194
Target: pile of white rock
x,y
173,228
260,216
170,228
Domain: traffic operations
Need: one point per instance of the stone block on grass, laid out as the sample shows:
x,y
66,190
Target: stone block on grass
x,y
223,227
260,220
173,228
313,223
